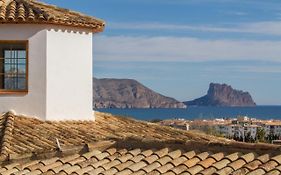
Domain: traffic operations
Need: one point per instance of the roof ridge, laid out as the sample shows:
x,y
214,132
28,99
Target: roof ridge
x,y
60,8
38,12
8,125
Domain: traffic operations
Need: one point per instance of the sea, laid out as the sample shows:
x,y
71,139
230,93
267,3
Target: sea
x,y
196,112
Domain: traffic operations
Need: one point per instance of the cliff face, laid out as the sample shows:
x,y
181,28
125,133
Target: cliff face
x,y
223,95
126,93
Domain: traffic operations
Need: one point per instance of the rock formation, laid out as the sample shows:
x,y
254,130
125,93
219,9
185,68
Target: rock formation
x,y
223,95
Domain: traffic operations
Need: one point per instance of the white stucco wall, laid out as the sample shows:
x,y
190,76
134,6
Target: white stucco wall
x,y
34,102
60,73
69,75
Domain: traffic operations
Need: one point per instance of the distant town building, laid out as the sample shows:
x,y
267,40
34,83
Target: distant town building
x,y
272,128
241,128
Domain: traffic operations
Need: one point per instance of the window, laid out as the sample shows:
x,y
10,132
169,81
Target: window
x,y
13,66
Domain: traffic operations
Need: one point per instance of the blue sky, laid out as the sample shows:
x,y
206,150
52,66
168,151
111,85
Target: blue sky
x,y
177,47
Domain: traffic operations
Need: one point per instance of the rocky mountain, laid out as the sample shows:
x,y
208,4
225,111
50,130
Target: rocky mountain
x,y
127,93
223,95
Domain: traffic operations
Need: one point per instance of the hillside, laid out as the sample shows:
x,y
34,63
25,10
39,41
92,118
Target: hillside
x,y
126,93
223,95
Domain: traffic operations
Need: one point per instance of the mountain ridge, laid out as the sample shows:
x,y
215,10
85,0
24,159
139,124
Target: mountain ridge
x,y
129,93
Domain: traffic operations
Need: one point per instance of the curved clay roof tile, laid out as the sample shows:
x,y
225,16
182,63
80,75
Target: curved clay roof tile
x,y
12,11
21,12
27,11
277,159
175,154
2,11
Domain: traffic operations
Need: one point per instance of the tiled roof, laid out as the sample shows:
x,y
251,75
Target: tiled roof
x,y
23,135
34,12
120,161
117,145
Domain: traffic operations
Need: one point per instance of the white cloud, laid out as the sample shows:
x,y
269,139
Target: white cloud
x,y
259,69
267,27
125,48
273,67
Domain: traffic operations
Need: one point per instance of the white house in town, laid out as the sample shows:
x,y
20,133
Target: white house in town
x,y
46,60
232,130
272,128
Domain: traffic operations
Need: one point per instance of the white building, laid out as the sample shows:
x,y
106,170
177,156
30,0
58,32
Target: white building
x,y
232,130
272,129
46,60
251,130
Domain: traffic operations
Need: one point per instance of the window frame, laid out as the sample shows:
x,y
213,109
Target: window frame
x,y
24,91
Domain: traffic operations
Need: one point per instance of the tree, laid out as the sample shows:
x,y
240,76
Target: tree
x,y
260,134
248,137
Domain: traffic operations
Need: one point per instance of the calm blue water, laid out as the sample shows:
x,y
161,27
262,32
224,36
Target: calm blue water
x,y
260,112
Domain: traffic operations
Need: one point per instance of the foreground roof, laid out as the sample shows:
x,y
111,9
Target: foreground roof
x,y
123,161
35,12
23,135
117,145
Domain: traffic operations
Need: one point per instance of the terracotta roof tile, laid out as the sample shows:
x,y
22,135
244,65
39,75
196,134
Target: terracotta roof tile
x,y
178,161
140,172
151,159
179,169
277,159
151,167
195,169
241,171
189,154
137,157
274,172
257,171
210,170
221,164
91,154
137,166
35,12
164,168
125,172
269,165
124,165
170,173
210,161
191,162
248,157
125,157
253,165
27,135
185,173
256,163
237,164
174,154
217,156
111,164
147,161
203,155
164,160
263,158
162,152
